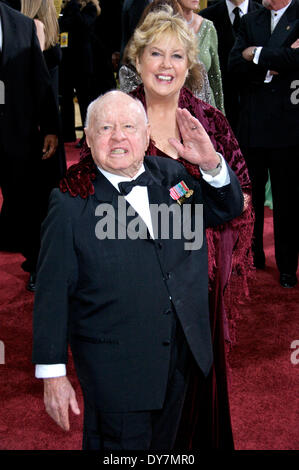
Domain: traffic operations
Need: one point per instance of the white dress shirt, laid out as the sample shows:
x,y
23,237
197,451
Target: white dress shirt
x,y
138,199
230,7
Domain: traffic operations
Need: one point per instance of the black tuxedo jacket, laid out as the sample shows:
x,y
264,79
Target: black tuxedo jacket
x,y
218,13
113,299
269,111
30,111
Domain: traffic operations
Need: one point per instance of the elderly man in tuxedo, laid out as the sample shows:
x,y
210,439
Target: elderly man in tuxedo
x,y
264,63
132,304
28,137
226,15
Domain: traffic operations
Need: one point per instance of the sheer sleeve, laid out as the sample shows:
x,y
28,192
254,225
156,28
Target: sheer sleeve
x,y
205,93
129,79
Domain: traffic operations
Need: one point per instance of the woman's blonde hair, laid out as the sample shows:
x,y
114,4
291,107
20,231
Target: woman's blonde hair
x,y
159,22
45,11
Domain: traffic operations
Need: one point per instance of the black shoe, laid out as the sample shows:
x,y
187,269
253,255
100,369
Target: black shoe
x,y
31,282
288,280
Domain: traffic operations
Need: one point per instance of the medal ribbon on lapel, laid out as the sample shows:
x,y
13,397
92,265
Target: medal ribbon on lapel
x,y
180,192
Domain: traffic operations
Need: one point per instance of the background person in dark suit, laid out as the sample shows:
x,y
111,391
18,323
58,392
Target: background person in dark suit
x,y
76,23
131,14
108,30
28,135
226,23
135,310
16,4
264,63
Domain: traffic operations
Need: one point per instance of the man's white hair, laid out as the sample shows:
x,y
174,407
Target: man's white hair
x,y
94,106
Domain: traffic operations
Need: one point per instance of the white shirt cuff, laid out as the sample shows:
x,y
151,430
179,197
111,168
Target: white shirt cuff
x,y
47,371
222,179
268,77
256,58
257,54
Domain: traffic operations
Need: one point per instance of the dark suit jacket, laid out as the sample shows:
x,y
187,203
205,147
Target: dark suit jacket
x,y
30,110
218,13
79,24
110,20
111,298
269,112
131,14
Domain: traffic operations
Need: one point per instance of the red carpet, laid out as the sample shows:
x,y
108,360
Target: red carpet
x,y
264,382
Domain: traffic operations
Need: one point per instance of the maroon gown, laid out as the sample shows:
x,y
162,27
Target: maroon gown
x,y
206,421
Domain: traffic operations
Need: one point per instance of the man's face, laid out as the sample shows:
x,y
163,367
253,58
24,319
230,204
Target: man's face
x,y
118,135
275,4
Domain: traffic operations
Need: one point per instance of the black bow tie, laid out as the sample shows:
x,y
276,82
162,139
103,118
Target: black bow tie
x,y
143,180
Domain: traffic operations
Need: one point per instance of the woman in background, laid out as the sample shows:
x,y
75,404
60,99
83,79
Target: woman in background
x,y
44,14
208,48
45,17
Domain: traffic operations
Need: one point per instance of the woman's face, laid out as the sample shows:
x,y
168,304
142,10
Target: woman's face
x,y
163,66
189,4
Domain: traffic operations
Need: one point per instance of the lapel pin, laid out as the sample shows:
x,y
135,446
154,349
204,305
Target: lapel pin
x,y
180,192
288,27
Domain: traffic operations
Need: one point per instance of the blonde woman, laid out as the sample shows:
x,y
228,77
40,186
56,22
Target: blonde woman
x,y
43,12
197,80
45,17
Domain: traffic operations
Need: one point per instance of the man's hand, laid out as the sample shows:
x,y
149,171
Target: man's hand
x,y
50,146
58,396
248,53
295,44
197,147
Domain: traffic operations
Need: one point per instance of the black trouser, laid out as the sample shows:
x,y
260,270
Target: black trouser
x,y
26,184
283,166
20,216
73,81
143,430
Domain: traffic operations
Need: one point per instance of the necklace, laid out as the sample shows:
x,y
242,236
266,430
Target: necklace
x,y
191,21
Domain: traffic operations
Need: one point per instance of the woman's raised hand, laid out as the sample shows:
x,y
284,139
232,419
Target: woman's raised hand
x,y
196,147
